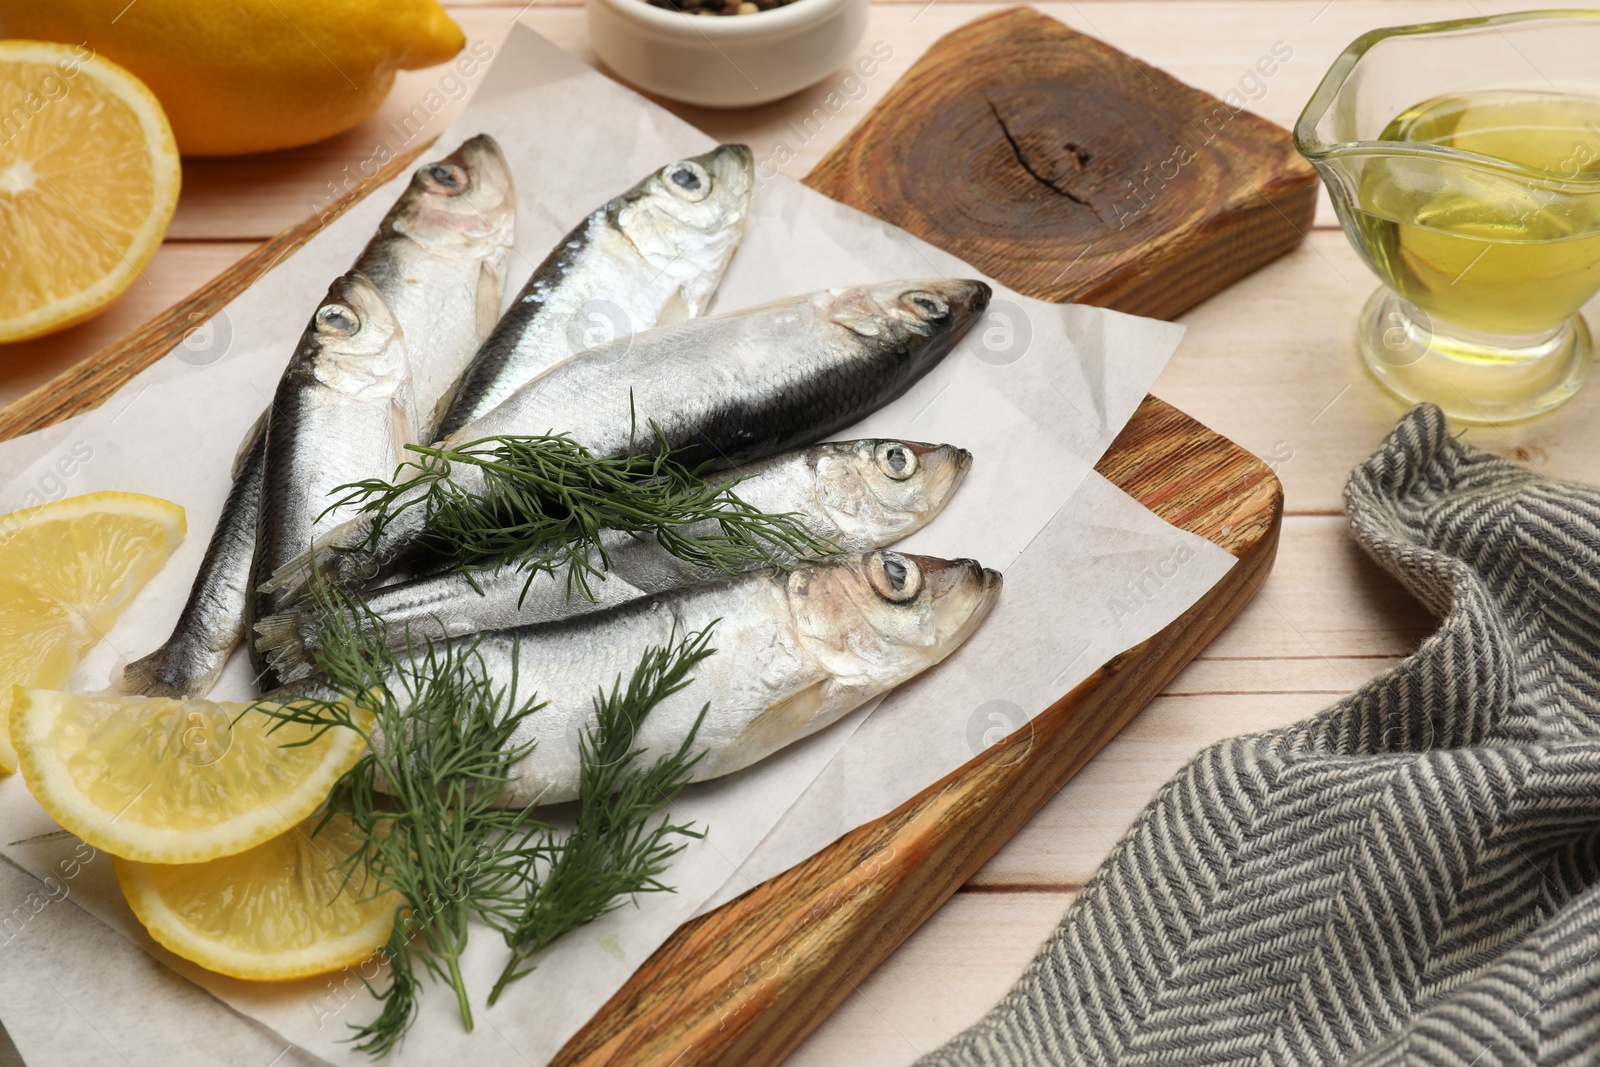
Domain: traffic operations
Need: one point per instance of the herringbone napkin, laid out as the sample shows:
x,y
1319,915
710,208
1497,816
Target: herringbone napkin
x,y
1411,876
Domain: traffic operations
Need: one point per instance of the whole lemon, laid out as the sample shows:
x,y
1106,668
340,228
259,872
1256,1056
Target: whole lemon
x,y
251,75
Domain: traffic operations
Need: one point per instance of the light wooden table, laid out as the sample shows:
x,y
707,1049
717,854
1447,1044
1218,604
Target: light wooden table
x,y
1270,363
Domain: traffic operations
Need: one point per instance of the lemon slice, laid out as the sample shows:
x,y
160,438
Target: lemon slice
x,y
67,570
89,176
273,913
174,781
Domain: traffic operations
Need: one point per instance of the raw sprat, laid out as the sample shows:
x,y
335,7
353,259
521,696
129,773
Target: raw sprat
x,y
828,636
343,411
654,254
850,496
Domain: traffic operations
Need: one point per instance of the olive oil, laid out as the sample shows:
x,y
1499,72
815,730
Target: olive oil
x,y
1492,253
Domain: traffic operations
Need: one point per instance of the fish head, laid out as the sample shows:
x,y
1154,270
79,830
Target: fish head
x,y
463,204
875,492
354,342
921,319
875,620
686,219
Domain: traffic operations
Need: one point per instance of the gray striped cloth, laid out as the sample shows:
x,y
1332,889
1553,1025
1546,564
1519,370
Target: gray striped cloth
x,y
1409,877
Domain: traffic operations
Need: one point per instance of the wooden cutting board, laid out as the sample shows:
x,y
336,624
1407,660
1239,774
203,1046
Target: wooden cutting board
x,y
1005,144
1012,143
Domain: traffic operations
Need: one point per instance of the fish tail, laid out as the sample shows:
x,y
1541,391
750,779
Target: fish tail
x,y
156,675
340,558
289,642
292,581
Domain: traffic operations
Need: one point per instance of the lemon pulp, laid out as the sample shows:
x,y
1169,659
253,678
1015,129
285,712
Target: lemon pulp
x,y
67,570
279,911
89,178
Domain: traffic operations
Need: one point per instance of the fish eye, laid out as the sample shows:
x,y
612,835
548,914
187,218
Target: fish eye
x,y
444,177
895,460
927,306
338,320
895,577
688,180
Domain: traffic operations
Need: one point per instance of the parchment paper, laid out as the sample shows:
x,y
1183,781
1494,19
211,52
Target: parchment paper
x,y
1037,392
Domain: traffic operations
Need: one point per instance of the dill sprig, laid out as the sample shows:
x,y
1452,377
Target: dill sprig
x,y
424,797
546,498
618,848
424,802
433,834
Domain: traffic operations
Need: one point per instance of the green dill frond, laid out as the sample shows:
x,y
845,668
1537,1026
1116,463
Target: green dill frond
x,y
399,999
619,847
424,797
546,499
424,800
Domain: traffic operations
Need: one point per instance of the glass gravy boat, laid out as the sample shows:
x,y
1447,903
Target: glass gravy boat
x,y
1463,160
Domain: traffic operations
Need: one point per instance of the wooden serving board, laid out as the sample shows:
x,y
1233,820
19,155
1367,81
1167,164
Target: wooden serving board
x,y
967,152
746,983
1072,171
1006,144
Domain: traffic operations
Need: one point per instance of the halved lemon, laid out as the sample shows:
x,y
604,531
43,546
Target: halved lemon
x,y
89,177
67,570
281,910
174,781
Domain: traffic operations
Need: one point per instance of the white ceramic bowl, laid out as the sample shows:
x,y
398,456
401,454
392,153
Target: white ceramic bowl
x,y
726,60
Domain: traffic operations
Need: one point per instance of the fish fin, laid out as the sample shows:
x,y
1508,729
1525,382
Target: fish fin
x,y
288,640
257,428
487,304
405,423
325,560
432,420
153,676
293,579
676,309
780,723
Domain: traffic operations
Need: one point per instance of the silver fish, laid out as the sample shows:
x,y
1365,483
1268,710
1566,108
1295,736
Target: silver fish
x,y
212,622
795,652
654,254
721,390
342,412
439,259
853,495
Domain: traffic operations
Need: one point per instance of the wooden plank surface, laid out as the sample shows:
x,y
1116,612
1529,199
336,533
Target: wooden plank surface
x,y
695,1001
1260,363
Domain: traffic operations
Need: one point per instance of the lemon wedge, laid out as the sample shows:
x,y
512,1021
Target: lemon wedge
x,y
67,570
279,911
89,178
174,781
